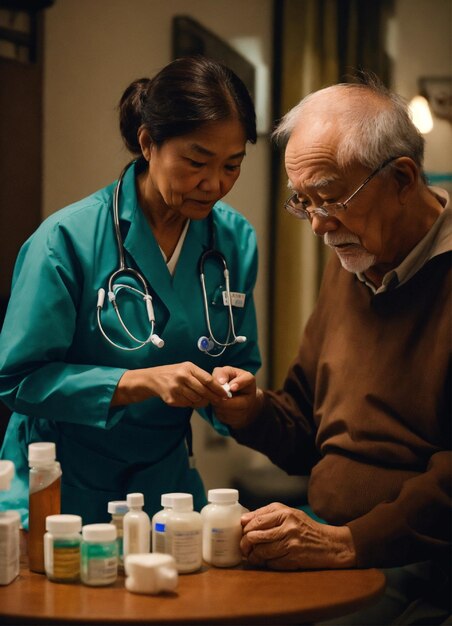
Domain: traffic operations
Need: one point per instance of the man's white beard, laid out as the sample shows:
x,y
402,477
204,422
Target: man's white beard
x,y
354,258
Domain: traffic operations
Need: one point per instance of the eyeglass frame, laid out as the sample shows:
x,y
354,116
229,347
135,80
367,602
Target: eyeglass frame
x,y
304,214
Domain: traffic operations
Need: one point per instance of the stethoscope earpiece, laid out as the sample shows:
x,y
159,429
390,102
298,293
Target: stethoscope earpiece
x,y
157,341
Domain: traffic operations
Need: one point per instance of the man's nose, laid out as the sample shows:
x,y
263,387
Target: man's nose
x,y
321,225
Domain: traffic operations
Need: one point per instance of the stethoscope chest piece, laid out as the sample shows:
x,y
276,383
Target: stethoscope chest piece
x,y
211,343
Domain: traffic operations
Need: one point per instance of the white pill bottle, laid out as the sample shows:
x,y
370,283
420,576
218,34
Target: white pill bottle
x,y
136,526
9,531
222,530
159,536
184,534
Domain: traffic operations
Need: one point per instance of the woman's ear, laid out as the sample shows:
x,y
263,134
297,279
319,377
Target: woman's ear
x,y
407,175
145,141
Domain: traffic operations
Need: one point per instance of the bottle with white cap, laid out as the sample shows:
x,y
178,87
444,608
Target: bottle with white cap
x,y
62,548
222,530
9,531
44,498
99,555
184,533
137,526
159,536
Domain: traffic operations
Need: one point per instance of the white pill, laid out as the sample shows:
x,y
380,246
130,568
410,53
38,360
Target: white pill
x,y
227,389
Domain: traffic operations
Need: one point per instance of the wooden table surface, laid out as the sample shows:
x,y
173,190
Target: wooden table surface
x,y
211,596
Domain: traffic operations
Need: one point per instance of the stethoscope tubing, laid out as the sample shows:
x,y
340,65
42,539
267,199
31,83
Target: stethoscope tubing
x,y
123,269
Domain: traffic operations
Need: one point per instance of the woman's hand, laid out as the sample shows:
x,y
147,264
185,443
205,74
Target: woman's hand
x,y
178,385
241,409
287,539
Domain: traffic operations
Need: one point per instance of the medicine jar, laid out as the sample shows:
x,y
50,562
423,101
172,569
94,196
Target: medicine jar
x,y
159,521
99,555
62,548
9,531
44,498
137,526
184,534
117,510
222,530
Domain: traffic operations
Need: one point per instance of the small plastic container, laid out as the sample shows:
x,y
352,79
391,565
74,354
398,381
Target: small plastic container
x,y
62,548
99,555
159,521
150,573
184,534
117,510
137,526
222,530
9,531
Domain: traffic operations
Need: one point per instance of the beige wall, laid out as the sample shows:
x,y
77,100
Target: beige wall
x,y
93,50
421,45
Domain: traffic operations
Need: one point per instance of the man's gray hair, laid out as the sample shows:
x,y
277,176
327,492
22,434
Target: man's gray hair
x,y
374,126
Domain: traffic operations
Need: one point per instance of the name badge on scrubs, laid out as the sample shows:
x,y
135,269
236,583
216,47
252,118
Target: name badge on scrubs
x,y
237,299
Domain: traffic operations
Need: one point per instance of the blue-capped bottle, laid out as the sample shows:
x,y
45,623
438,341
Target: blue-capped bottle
x,y
117,510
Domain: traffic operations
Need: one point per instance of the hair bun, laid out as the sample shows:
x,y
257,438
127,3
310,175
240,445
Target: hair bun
x,y
130,112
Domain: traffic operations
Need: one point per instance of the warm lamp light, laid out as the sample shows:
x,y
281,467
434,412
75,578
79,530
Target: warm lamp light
x,y
421,115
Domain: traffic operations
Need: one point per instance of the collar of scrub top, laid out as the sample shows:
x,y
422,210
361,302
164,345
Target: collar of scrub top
x,y
153,270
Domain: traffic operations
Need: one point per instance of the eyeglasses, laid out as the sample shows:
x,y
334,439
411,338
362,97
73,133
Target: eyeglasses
x,y
297,207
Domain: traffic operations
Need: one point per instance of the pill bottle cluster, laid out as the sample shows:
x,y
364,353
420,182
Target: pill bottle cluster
x,y
151,553
212,536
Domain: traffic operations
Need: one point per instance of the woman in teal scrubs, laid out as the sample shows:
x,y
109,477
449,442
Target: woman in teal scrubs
x,y
119,416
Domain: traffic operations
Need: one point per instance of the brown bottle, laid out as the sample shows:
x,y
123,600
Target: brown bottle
x,y
44,498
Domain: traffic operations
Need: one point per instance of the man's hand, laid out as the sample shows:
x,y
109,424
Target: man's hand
x,y
287,539
240,409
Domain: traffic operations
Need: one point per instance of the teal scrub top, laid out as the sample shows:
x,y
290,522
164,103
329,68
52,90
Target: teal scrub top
x,y
58,373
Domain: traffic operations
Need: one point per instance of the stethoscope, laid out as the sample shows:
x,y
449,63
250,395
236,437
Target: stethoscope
x,y
208,344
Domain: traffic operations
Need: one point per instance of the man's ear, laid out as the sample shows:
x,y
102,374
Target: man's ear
x,y
145,141
406,174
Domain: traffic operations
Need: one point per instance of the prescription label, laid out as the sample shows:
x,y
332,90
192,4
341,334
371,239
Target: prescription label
x,y
225,543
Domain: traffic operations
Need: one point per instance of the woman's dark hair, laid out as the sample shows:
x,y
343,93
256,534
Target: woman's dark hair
x,y
183,96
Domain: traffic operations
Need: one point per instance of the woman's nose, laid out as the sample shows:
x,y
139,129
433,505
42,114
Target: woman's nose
x,y
211,183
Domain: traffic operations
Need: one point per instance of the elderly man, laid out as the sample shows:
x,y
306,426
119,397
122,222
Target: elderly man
x,y
365,408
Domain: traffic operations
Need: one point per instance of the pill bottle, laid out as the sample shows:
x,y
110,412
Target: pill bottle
x,y
150,573
9,531
117,510
184,533
44,498
222,530
62,548
99,555
159,536
137,526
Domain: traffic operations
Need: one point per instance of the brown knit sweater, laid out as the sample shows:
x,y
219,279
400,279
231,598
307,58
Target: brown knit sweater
x,y
366,410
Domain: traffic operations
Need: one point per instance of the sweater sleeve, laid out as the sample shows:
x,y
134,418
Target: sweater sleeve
x,y
415,526
285,430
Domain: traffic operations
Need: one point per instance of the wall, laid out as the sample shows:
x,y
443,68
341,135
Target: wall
x,y
421,45
93,50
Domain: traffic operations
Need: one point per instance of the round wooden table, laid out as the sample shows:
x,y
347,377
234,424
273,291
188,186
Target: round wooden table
x,y
211,596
